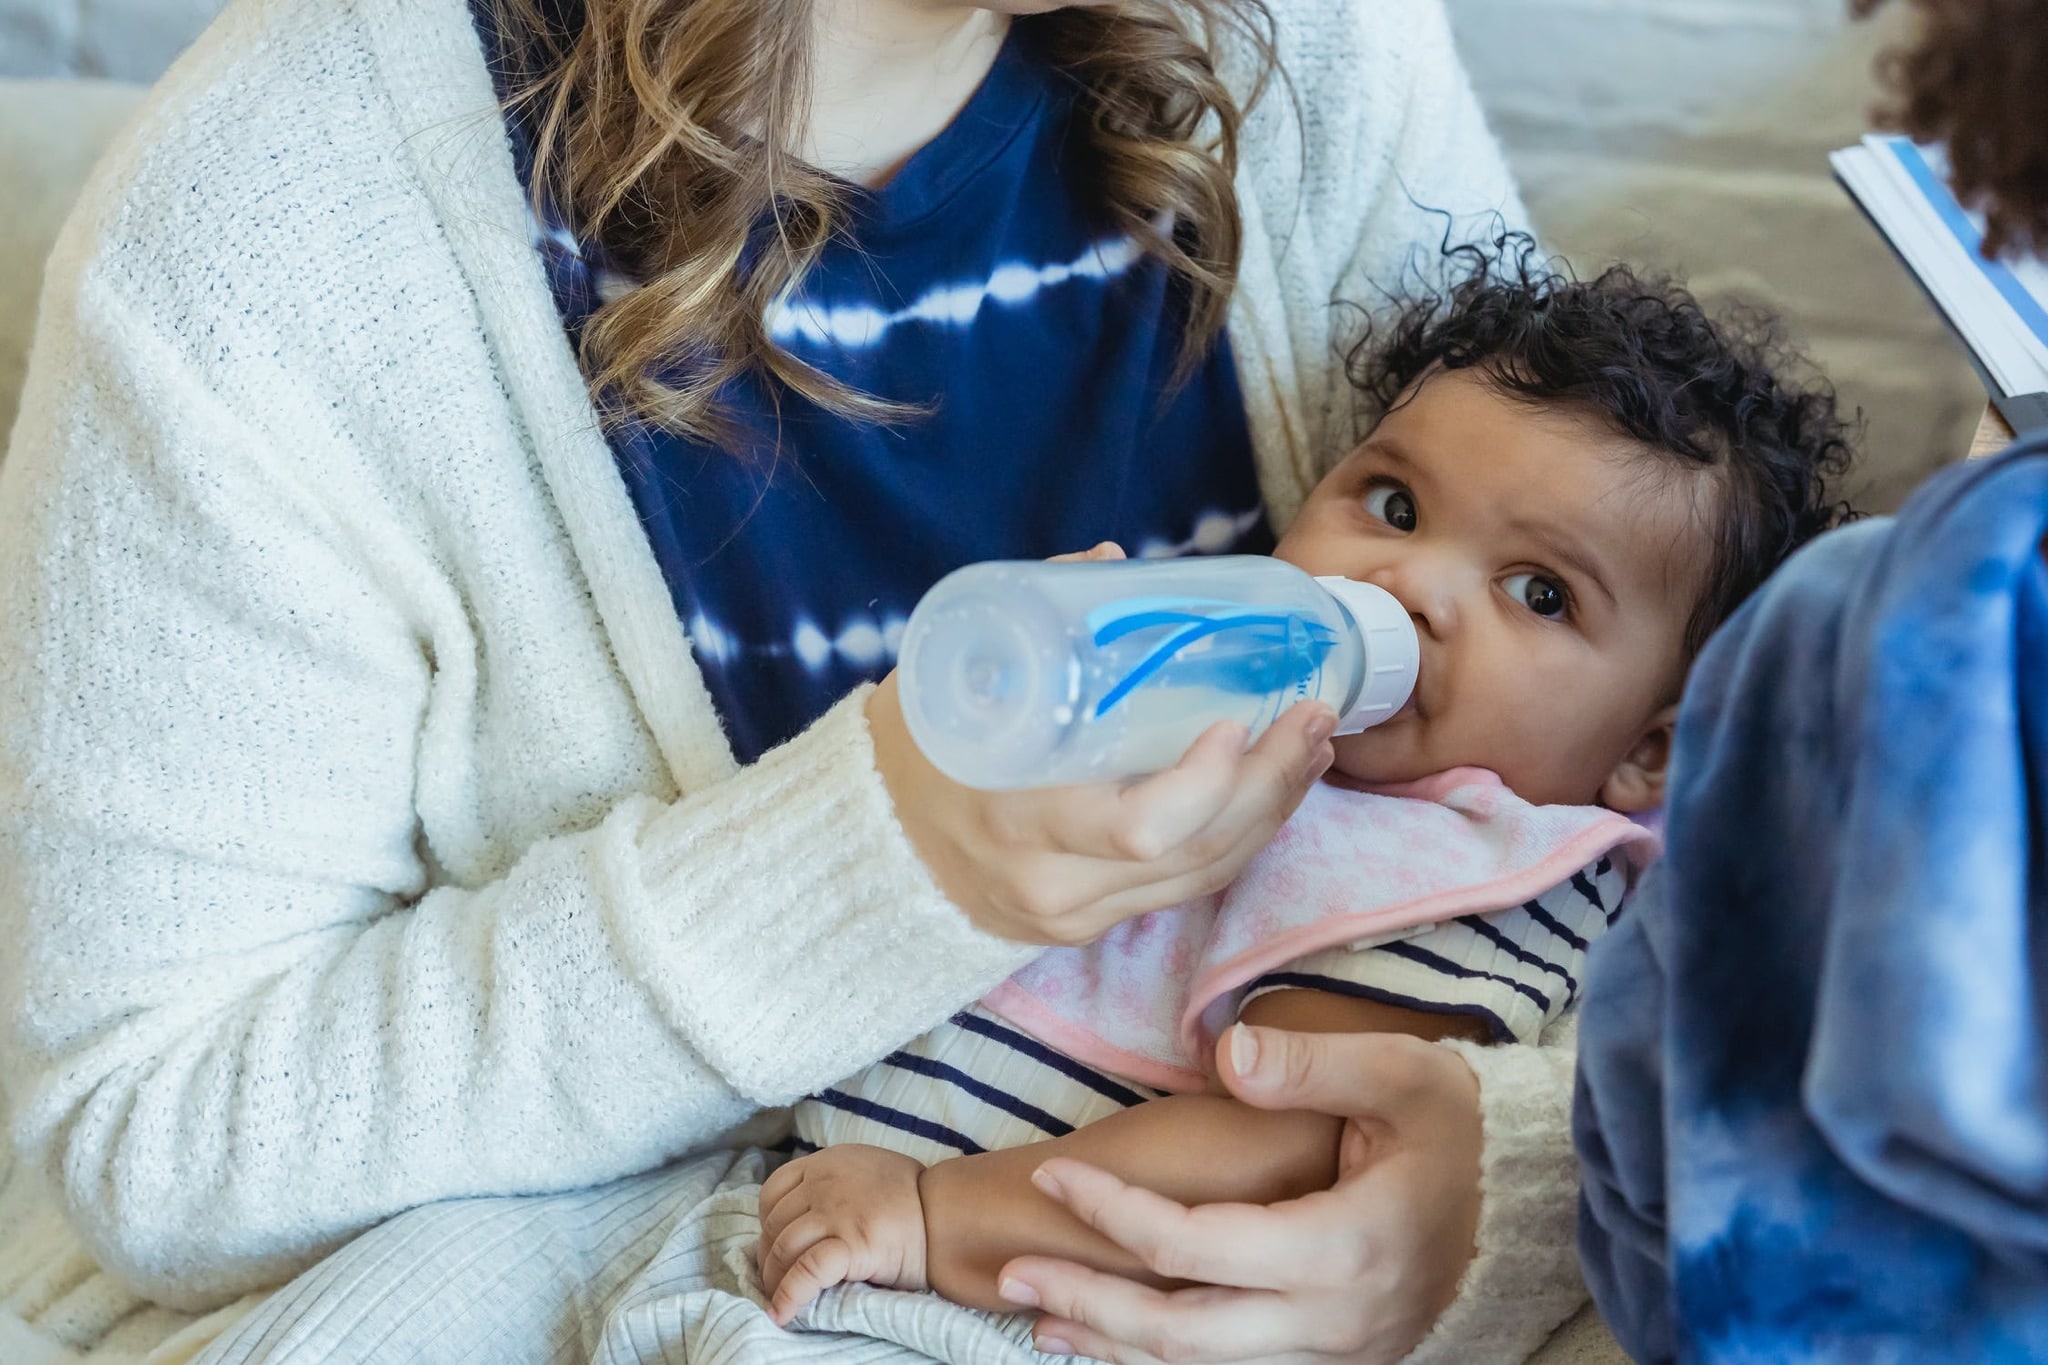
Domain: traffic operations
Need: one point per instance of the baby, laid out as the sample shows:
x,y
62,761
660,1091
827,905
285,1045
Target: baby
x,y
1573,483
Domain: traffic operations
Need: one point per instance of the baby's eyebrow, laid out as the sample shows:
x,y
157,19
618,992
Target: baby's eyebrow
x,y
1387,450
1568,551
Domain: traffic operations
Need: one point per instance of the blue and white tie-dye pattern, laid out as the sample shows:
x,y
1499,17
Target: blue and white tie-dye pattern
x,y
982,287
1813,1090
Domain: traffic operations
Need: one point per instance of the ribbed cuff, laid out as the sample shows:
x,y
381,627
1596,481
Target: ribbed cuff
x,y
1525,1279
783,923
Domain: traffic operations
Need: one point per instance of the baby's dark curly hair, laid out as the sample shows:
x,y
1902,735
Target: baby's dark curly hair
x,y
1638,352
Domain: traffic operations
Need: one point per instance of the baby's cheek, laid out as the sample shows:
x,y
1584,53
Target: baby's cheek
x,y
1558,761
1393,752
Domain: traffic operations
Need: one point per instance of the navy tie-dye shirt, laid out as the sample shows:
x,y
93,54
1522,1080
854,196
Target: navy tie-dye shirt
x,y
985,284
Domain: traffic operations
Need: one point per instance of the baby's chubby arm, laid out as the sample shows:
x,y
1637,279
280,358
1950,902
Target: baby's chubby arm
x,y
862,1213
980,1212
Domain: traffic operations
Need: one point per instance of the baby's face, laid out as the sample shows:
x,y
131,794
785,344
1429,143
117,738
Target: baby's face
x,y
1549,565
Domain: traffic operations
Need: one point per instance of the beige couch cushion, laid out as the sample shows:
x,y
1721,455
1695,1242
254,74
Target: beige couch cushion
x,y
51,132
124,40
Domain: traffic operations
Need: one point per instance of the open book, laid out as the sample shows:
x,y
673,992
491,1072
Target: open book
x,y
1998,308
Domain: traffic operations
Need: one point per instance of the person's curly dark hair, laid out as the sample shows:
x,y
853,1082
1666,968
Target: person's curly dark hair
x,y
1638,352
1976,78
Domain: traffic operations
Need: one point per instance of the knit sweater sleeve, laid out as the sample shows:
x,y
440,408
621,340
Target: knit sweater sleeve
x,y
249,1008
1431,174
1524,1280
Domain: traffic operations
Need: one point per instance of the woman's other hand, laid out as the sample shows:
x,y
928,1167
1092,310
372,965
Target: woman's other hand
x,y
1062,865
1356,1273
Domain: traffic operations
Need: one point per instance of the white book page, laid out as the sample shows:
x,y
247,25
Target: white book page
x,y
2009,349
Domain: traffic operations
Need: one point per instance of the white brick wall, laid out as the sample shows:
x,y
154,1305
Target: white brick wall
x,y
1690,134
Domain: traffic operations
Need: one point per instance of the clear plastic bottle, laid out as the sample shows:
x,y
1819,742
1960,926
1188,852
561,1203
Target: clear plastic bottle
x,y
1023,674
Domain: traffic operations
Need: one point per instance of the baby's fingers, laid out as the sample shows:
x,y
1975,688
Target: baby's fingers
x,y
776,1218
782,1248
781,1181
777,1204
825,1264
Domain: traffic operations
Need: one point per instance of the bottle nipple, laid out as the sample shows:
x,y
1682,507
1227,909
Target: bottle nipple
x,y
1393,653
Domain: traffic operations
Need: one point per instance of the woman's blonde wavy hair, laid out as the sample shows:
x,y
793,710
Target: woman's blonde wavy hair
x,y
663,130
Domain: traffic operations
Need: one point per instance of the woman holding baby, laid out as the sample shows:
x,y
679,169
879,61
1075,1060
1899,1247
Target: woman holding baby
x,y
476,463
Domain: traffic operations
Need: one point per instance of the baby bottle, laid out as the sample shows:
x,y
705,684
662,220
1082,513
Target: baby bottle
x,y
1024,674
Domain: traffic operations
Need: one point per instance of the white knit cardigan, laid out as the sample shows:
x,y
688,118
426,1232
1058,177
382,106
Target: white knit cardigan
x,y
367,836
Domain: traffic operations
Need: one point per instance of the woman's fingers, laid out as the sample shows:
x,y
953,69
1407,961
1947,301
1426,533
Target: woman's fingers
x,y
1357,1272
1157,819
1040,866
1201,881
1129,824
1063,1337
1205,815
1090,1313
1349,1074
1266,788
1220,790
1108,549
1245,1245
1114,852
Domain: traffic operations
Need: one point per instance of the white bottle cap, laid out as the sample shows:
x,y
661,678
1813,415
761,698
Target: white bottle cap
x,y
1393,655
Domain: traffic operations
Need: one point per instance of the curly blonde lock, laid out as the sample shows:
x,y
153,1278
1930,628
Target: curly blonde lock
x,y
664,130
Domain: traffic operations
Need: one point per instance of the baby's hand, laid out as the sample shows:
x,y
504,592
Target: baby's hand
x,y
846,1213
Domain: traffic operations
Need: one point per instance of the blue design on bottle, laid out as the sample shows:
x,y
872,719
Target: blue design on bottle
x,y
1244,652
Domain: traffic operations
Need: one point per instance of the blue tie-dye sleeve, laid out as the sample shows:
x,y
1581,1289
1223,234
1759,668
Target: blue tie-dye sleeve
x,y
1813,1090
1621,1158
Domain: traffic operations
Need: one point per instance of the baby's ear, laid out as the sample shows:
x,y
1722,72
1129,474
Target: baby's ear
x,y
1637,782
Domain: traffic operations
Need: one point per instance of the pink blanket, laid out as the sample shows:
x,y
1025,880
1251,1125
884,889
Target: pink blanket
x,y
1148,999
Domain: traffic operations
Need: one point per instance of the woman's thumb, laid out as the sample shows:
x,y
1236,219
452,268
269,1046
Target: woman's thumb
x,y
1108,549
1267,1067
1350,1074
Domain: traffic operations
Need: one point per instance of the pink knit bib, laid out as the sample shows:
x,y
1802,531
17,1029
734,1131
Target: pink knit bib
x,y
1148,999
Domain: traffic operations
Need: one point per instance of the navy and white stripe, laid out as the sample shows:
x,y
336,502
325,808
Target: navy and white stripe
x,y
975,1083
1516,970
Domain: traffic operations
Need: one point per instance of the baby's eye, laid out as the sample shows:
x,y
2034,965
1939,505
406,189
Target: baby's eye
x,y
1392,504
1544,596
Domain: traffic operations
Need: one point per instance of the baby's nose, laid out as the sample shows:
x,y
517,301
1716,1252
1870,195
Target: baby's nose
x,y
1429,595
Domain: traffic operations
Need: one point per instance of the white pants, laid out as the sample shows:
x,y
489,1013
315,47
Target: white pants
x,y
656,1268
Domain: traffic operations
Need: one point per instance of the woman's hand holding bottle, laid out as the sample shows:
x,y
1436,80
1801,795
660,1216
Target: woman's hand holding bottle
x,y
1063,865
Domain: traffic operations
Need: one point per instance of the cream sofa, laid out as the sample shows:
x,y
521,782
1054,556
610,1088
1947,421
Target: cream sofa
x,y
50,134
